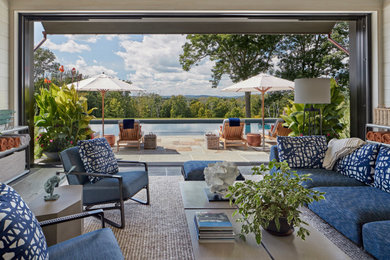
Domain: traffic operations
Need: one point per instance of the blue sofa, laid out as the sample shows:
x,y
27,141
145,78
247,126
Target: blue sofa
x,y
359,211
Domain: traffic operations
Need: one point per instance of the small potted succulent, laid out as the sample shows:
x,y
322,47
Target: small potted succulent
x,y
273,202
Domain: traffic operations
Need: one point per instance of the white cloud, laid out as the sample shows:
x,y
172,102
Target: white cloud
x,y
153,64
70,46
90,70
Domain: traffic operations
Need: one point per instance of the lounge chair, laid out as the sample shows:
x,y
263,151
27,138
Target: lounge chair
x,y
231,135
277,130
131,137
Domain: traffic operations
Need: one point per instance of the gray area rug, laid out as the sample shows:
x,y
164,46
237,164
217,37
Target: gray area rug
x,y
159,230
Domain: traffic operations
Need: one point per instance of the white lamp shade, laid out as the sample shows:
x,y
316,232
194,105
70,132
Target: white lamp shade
x,y
312,91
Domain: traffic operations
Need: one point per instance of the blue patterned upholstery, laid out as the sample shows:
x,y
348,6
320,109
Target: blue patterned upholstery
x,y
133,182
21,236
96,245
382,170
193,170
360,164
302,151
97,157
376,239
348,208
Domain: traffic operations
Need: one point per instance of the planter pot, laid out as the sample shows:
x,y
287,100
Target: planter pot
x,y
285,228
110,139
52,155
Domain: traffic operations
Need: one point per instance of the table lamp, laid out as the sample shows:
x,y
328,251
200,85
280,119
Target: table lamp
x,y
312,91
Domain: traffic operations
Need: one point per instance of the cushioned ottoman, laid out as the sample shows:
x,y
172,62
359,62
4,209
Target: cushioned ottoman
x,y
193,170
376,239
348,208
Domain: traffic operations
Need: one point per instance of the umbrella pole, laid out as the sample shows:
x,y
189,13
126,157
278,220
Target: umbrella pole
x,y
262,113
103,94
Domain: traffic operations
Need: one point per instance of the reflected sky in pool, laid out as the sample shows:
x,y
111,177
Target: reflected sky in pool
x,y
174,129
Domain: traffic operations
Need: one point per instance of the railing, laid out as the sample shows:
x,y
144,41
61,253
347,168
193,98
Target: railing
x,y
181,121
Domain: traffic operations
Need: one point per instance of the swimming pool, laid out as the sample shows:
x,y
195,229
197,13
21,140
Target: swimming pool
x,y
167,129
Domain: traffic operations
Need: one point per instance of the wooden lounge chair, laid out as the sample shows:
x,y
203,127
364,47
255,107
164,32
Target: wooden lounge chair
x,y
232,135
278,130
130,137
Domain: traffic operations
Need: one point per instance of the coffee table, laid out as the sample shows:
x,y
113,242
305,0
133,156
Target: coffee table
x,y
316,246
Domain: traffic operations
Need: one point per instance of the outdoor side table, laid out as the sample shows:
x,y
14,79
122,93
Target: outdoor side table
x,y
253,139
70,202
150,141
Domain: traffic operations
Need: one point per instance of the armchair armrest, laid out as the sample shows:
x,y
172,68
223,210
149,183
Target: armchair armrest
x,y
98,212
134,162
102,175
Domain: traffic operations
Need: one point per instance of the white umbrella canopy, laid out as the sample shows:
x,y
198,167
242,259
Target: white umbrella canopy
x,y
262,83
104,83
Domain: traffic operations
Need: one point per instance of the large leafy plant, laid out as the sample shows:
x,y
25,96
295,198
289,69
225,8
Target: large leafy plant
x,y
278,195
334,124
63,118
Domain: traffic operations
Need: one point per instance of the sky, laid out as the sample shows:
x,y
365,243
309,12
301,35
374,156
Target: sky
x,y
149,61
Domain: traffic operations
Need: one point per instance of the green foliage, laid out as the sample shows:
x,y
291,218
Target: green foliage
x,y
333,115
44,63
63,118
275,196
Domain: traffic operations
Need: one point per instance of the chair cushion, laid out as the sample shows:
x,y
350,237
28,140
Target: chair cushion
x,y
382,172
21,235
348,208
376,239
71,157
97,157
323,177
193,170
302,151
360,164
98,244
106,189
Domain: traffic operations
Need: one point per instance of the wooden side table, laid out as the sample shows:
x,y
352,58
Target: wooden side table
x,y
253,139
70,202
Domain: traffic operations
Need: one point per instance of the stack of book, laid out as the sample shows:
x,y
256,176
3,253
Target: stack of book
x,y
213,227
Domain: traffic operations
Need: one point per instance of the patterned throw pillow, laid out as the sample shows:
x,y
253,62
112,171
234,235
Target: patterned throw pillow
x,y
97,157
382,170
360,164
21,235
302,151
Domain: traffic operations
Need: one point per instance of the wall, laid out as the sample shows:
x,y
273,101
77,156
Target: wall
x,y
386,51
342,6
4,68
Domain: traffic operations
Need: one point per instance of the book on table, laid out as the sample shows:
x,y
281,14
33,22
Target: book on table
x,y
213,227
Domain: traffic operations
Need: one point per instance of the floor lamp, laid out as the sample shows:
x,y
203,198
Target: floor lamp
x,y
312,91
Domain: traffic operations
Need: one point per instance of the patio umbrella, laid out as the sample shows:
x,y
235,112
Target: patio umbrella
x,y
262,83
104,83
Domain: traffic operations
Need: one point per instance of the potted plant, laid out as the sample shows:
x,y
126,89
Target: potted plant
x,y
273,202
62,119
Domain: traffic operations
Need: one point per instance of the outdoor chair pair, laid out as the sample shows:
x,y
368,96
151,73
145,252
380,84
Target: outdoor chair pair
x,y
111,188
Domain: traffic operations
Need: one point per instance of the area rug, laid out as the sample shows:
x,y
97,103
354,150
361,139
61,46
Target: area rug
x,y
159,231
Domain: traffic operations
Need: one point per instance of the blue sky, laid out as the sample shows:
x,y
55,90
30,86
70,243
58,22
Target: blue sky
x,y
151,62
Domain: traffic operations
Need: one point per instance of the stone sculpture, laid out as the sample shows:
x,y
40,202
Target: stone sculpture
x,y
219,176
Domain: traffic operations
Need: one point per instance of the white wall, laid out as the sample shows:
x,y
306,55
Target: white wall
x,y
386,52
4,50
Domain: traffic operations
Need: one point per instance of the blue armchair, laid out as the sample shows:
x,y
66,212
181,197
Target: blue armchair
x,y
110,188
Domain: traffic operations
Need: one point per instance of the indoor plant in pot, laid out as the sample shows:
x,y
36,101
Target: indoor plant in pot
x,y
273,202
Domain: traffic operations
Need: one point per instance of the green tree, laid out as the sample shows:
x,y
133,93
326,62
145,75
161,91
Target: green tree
x,y
44,63
179,107
239,56
114,109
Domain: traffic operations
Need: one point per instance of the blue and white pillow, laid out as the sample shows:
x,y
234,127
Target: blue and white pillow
x,y
97,157
382,170
21,236
360,164
302,151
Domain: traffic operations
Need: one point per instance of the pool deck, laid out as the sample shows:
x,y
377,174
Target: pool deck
x,y
178,149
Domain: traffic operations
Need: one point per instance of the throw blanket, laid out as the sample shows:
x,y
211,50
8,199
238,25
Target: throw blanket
x,y
128,123
340,148
234,122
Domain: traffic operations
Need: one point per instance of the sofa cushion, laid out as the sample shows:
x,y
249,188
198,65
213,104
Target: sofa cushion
x,y
382,170
21,236
376,239
98,244
348,208
338,148
302,151
193,170
97,157
322,177
360,164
